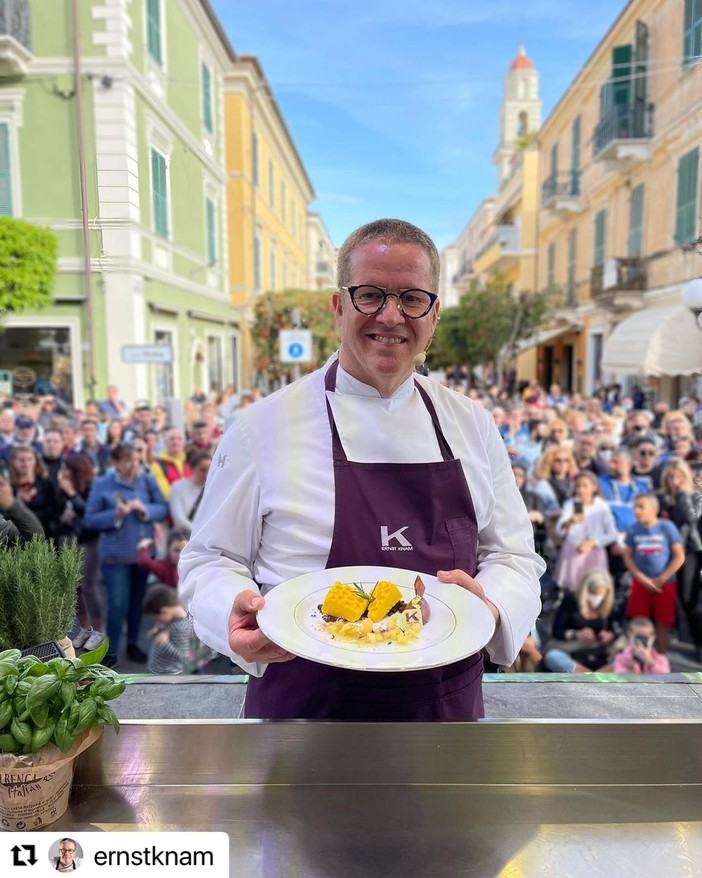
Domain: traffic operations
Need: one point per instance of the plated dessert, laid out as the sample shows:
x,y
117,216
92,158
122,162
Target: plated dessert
x,y
351,612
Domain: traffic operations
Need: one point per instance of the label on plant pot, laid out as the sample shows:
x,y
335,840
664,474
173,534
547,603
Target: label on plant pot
x,y
187,854
34,789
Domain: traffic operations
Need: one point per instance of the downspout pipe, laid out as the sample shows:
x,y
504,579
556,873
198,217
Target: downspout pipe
x,y
80,131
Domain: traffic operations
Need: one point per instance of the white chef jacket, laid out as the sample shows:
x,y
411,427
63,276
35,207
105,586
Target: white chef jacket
x,y
268,509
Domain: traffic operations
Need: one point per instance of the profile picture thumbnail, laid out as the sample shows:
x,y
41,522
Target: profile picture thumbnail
x,y
65,855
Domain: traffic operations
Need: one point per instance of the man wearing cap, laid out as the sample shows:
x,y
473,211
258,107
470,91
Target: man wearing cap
x,y
25,434
141,421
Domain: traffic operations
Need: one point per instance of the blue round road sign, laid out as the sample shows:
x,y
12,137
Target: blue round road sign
x,y
295,349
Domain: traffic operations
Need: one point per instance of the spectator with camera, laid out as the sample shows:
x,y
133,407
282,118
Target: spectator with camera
x,y
639,656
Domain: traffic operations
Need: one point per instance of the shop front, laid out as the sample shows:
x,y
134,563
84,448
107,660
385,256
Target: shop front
x,y
39,358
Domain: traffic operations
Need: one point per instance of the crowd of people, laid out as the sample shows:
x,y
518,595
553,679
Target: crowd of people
x,y
612,488
125,483
614,493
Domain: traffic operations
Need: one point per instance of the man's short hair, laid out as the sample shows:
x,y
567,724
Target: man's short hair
x,y
391,231
649,499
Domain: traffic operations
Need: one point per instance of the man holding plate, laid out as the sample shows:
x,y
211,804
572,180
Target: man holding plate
x,y
363,462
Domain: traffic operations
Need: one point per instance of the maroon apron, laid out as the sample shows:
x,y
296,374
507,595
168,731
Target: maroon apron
x,y
417,516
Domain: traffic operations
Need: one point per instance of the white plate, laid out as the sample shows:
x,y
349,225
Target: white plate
x,y
460,624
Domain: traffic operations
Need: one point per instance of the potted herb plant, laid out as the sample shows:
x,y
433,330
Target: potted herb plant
x,y
49,713
38,589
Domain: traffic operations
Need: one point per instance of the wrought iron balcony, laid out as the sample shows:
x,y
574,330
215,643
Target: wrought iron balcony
x,y
561,192
624,132
15,38
619,282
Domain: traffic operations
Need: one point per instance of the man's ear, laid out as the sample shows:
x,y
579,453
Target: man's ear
x,y
337,305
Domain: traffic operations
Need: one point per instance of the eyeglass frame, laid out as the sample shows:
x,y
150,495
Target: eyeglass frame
x,y
352,292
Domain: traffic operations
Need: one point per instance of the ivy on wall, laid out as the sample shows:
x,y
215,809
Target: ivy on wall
x,y
27,265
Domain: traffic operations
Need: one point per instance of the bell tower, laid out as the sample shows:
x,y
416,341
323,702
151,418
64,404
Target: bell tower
x,y
520,114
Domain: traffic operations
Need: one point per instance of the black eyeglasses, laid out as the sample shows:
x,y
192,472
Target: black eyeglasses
x,y
369,299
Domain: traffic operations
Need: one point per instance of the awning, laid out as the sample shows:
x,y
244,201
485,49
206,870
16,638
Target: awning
x,y
545,335
656,341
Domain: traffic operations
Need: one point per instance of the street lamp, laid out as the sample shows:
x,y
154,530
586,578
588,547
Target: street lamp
x,y
692,298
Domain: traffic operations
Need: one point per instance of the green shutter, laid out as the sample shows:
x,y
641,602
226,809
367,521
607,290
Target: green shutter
x,y
575,156
160,193
551,276
686,211
5,176
622,57
572,255
692,32
600,223
636,221
206,97
211,233
153,27
554,160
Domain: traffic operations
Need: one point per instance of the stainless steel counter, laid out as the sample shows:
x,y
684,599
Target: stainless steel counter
x,y
331,800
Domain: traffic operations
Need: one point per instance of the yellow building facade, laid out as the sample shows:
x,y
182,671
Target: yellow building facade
x,y
268,196
620,196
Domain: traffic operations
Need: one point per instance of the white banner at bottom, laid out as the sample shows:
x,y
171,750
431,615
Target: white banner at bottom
x,y
98,854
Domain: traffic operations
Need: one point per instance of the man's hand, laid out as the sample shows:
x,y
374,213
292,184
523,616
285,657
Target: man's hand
x,y
605,636
145,544
245,637
460,577
536,517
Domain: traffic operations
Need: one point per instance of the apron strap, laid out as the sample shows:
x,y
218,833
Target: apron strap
x,y
338,449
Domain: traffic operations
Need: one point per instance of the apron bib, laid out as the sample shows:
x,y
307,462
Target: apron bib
x,y
416,516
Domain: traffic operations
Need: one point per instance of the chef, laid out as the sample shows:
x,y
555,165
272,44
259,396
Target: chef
x,y
363,462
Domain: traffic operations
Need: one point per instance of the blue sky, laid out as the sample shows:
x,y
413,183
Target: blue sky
x,y
394,104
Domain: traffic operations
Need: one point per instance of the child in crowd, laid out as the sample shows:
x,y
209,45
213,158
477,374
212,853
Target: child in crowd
x,y
654,552
639,656
165,569
170,637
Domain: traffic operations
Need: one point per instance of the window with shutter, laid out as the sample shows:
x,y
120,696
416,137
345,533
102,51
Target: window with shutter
x,y
575,156
271,183
551,275
5,173
211,232
254,158
206,97
572,256
257,263
600,223
635,244
692,32
153,28
160,193
686,211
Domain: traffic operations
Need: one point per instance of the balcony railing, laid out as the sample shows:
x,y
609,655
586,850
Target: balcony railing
x,y
506,236
624,122
618,275
562,185
15,21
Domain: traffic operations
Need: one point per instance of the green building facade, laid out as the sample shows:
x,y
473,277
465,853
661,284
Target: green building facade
x,y
151,124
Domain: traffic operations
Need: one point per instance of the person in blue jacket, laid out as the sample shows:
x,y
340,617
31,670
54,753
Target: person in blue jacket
x,y
122,506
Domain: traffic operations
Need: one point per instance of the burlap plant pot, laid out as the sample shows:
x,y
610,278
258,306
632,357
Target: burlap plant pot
x,y
34,789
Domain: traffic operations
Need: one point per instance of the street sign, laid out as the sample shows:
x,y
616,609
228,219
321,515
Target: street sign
x,y
295,345
147,353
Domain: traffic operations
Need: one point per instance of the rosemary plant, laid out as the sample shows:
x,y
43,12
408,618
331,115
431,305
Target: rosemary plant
x,y
38,587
